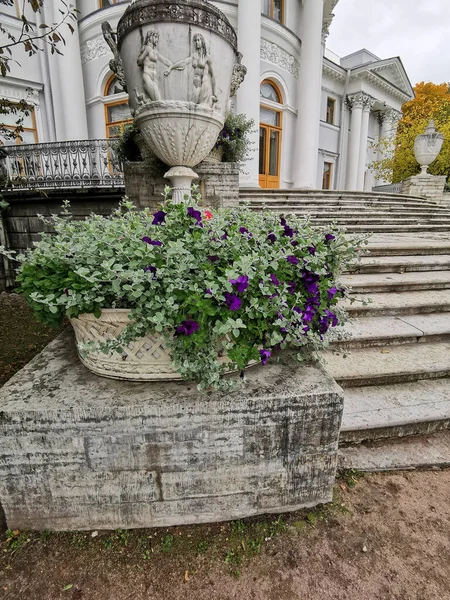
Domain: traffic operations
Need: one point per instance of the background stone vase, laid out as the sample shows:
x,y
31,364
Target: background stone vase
x,y
178,60
427,147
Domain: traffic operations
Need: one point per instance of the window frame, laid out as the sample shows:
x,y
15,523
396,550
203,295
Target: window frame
x,y
270,105
331,110
118,102
272,12
33,129
327,176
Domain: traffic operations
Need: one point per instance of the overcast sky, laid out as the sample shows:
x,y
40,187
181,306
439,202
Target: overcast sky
x,y
416,30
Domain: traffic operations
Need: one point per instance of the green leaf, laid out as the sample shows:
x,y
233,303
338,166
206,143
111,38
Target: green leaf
x,y
67,587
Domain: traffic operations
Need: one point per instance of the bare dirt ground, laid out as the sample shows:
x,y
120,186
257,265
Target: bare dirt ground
x,y
385,538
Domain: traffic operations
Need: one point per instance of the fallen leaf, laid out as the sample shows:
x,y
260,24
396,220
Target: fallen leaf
x,y
16,532
384,351
186,576
243,545
68,587
94,534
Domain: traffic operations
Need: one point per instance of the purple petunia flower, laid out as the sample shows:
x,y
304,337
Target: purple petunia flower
x,y
241,283
288,231
265,355
195,214
331,293
272,237
292,259
311,282
294,243
147,240
329,237
312,250
209,292
225,236
232,301
274,279
291,287
159,217
213,258
187,327
151,269
244,230
283,222
66,291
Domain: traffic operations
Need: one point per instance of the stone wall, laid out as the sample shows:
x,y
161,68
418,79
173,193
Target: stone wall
x,y
218,183
85,452
20,223
430,187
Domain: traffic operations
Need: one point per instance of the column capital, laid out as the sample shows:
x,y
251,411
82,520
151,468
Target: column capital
x,y
360,100
390,114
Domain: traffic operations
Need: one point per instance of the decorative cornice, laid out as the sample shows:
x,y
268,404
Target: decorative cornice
x,y
93,49
384,85
277,56
333,73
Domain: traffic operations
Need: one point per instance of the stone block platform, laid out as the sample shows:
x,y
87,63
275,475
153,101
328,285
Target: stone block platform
x,y
79,451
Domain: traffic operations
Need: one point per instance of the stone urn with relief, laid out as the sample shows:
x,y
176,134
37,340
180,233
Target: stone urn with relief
x,y
181,64
427,147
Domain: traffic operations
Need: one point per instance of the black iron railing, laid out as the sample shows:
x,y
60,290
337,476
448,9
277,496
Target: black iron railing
x,y
74,164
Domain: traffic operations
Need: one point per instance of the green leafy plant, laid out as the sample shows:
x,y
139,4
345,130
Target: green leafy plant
x,y
233,138
248,284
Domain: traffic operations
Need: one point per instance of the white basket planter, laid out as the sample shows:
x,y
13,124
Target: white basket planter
x,y
145,359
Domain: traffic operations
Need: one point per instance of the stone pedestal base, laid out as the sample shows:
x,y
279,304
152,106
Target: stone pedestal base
x,y
83,452
218,184
430,187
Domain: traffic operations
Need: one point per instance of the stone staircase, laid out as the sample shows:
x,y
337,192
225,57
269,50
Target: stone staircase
x,y
395,364
357,211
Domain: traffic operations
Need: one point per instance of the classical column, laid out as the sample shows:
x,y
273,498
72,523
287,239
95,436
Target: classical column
x,y
356,104
309,96
368,104
248,96
70,83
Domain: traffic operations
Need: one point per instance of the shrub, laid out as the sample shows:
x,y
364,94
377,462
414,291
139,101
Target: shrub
x,y
253,283
234,138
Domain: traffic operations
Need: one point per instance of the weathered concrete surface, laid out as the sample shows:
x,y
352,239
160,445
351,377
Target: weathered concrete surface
x,y
82,452
419,452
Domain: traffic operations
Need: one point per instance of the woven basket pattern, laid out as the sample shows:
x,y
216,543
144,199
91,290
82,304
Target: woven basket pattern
x,y
145,359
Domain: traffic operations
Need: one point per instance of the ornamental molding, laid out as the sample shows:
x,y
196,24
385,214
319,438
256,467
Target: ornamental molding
x,y
20,92
385,86
333,73
277,56
93,49
190,12
360,100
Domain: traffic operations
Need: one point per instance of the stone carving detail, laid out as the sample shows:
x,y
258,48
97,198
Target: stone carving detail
x,y
93,49
239,73
192,12
276,55
115,64
204,91
360,100
148,61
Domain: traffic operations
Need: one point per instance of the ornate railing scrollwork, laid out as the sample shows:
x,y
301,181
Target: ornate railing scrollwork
x,y
73,164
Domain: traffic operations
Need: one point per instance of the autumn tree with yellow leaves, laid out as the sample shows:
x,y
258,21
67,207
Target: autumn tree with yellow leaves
x,y
432,101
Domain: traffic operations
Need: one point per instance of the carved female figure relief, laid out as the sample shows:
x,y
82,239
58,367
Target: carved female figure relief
x,y
204,79
148,61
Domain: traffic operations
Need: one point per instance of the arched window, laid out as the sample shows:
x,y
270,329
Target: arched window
x,y
117,111
270,135
273,9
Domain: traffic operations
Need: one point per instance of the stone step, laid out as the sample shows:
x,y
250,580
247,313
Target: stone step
x,y
395,364
368,332
396,228
401,264
384,411
397,282
419,247
418,452
399,303
369,222
323,194
289,206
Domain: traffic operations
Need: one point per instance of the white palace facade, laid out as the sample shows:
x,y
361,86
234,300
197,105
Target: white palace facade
x,y
320,115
